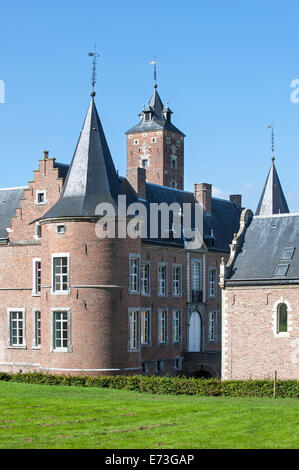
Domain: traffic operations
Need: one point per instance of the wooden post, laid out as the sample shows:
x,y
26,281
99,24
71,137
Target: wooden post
x,y
274,385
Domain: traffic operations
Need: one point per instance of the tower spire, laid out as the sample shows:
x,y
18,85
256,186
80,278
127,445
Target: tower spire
x,y
154,63
272,140
94,68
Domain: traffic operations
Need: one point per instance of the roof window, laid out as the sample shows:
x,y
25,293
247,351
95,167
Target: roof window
x,y
281,270
287,253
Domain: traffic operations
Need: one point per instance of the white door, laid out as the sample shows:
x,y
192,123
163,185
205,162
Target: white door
x,y
195,332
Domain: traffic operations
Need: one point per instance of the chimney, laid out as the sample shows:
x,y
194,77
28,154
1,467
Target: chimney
x,y
137,177
203,194
46,154
236,199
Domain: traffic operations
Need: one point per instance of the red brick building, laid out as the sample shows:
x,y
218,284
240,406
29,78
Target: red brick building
x,y
260,321
74,303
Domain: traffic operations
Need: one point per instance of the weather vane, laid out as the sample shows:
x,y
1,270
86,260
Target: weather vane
x,y
154,63
94,68
272,140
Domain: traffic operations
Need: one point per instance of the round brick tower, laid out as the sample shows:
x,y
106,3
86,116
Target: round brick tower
x,y
86,287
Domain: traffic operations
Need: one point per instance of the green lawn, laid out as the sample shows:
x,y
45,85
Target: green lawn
x,y
53,417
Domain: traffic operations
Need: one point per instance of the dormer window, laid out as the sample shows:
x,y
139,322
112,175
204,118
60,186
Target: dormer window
x,y
147,117
40,197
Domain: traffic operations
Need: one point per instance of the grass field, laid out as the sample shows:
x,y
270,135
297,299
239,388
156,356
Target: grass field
x,y
58,417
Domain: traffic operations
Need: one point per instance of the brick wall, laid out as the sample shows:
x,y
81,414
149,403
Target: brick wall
x,y
159,154
251,349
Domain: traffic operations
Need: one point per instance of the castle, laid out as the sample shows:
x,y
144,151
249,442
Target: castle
x,y
76,303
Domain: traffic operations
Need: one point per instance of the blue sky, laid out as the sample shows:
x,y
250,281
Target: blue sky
x,y
225,66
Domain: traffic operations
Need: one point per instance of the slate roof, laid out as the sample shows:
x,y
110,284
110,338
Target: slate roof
x,y
9,202
264,242
222,223
91,178
158,120
272,200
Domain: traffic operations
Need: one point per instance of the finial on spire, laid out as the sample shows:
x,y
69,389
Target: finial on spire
x,y
272,140
154,63
94,68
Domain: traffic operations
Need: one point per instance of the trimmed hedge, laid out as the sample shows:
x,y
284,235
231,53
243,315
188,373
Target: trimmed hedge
x,y
166,385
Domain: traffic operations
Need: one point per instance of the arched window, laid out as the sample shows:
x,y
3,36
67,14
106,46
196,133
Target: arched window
x,y
282,318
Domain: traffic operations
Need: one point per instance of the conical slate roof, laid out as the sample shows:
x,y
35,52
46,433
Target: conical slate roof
x,y
272,200
91,178
157,120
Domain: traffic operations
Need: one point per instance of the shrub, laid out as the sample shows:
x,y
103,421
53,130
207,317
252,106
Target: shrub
x,y
165,385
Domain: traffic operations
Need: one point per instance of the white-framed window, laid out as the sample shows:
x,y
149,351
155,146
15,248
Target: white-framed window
x,y
162,279
212,281
196,280
136,141
196,284
36,329
61,330
153,140
163,337
178,143
173,184
176,326
145,327
60,228
168,141
40,197
176,280
145,278
212,326
159,365
133,329
38,231
60,273
36,290
282,318
16,323
173,162
134,261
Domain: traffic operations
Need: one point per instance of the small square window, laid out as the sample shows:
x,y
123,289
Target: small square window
x,y
60,229
287,253
40,197
281,269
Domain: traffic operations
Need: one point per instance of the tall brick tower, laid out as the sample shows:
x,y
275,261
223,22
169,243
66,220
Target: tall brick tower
x,y
157,145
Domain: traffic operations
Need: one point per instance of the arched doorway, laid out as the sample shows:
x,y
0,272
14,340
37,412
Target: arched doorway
x,y
195,333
